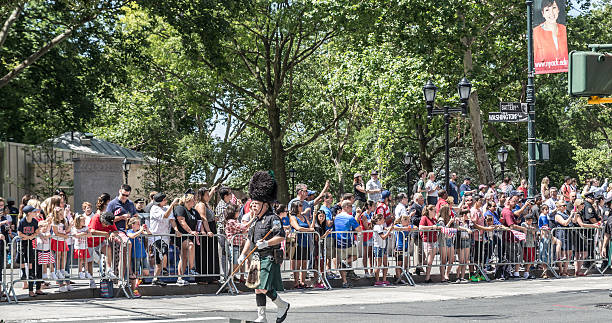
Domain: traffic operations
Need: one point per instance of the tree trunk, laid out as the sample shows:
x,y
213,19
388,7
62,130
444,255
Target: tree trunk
x,y
485,172
278,166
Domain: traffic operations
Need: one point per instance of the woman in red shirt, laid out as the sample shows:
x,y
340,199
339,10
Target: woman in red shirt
x,y
430,238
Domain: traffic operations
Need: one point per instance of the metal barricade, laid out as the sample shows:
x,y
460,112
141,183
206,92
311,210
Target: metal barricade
x,y
343,249
578,245
39,261
182,259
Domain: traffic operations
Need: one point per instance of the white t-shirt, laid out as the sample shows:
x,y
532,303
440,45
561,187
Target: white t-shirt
x,y
430,185
378,241
80,243
58,228
159,224
374,185
400,210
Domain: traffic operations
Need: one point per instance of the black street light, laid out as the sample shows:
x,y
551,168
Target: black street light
x,y
126,168
292,176
408,159
502,157
464,88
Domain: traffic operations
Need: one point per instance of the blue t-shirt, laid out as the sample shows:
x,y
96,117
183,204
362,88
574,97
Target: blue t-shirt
x,y
402,239
302,237
543,221
328,213
344,222
464,187
452,191
285,221
138,250
495,217
117,208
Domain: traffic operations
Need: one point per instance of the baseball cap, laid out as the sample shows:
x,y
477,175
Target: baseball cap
x,y
385,194
374,172
311,192
357,175
29,208
467,178
158,198
139,200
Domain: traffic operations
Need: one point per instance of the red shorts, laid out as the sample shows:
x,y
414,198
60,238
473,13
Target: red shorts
x,y
58,245
529,254
81,254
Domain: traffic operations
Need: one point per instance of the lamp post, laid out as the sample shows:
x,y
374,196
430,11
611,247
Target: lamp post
x,y
292,175
464,88
502,157
126,169
408,159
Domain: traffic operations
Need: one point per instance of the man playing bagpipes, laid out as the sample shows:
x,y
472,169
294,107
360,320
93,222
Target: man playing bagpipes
x,y
265,236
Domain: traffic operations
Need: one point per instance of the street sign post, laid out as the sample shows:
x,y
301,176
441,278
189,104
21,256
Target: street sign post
x,y
513,107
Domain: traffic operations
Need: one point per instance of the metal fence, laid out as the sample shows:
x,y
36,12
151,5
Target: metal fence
x,y
310,258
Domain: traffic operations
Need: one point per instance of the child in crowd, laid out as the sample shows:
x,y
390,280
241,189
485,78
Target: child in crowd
x,y
402,247
365,219
322,231
464,225
43,246
236,232
380,248
544,247
88,214
60,228
529,246
139,254
28,230
80,232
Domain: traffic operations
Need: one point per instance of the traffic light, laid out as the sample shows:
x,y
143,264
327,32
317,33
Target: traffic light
x,y
590,73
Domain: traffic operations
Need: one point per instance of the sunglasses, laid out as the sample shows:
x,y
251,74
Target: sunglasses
x,y
125,195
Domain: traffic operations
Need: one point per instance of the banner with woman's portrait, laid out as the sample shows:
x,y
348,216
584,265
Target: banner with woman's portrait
x,y
549,36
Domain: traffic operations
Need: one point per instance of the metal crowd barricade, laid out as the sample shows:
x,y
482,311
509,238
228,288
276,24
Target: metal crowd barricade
x,y
183,259
303,255
47,265
581,246
343,250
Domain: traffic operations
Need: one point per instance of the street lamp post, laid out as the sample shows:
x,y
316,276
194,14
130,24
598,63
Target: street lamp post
x,y
292,175
429,91
408,159
126,169
502,157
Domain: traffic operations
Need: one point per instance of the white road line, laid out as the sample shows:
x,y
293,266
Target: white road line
x,y
212,318
78,319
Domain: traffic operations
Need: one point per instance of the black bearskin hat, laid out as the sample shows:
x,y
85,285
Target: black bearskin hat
x,y
262,187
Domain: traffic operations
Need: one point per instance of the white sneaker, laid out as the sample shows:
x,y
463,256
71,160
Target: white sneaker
x,y
181,282
92,284
54,276
110,274
261,314
525,275
82,275
65,273
63,289
88,275
69,287
59,275
45,276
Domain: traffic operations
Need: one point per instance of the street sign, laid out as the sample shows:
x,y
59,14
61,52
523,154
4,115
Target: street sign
x,y
507,117
513,107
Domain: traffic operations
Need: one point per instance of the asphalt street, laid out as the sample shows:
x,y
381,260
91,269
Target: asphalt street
x,y
566,300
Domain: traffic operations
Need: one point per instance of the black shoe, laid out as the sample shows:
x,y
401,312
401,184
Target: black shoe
x,y
429,281
158,282
165,272
282,318
418,271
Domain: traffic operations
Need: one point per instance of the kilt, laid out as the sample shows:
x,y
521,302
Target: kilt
x,y
270,275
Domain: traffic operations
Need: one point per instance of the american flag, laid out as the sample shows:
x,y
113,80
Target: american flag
x,y
519,235
234,200
118,211
449,232
45,258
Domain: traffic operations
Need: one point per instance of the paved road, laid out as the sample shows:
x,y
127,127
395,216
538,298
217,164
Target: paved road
x,y
566,300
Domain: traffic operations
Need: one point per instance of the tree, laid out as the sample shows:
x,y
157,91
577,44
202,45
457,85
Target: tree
x,y
256,48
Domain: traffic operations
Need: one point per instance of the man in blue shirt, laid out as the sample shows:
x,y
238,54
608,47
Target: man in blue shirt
x,y
345,248
465,188
122,207
453,190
